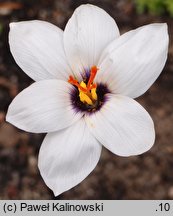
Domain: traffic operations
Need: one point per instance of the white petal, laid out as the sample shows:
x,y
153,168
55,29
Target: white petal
x,y
122,126
68,156
87,33
37,47
133,62
45,106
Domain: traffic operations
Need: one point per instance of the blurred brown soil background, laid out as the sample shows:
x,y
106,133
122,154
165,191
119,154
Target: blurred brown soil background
x,y
148,176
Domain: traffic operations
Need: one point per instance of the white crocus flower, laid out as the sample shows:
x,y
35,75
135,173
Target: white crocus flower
x,y
86,79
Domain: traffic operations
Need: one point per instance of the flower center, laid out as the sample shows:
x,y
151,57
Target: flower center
x,y
88,96
87,92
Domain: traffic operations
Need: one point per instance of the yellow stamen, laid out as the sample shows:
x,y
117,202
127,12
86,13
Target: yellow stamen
x,y
85,98
83,85
94,94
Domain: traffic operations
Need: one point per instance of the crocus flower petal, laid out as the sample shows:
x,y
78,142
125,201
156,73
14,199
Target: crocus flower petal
x,y
45,106
123,126
87,33
133,62
68,156
37,47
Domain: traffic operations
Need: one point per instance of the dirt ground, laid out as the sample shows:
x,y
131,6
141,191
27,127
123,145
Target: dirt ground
x,y
148,176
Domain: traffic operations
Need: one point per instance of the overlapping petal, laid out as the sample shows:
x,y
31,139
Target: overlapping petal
x,y
123,126
45,106
131,64
68,156
87,33
37,47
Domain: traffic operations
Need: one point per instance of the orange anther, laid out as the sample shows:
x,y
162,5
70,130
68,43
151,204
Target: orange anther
x,y
93,73
72,80
92,86
75,82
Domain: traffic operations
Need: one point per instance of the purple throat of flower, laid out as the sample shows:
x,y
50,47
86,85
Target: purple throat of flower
x,y
87,95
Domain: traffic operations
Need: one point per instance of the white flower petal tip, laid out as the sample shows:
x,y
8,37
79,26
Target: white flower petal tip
x,y
37,47
135,60
13,24
162,29
123,126
67,157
